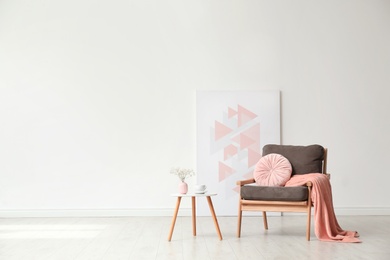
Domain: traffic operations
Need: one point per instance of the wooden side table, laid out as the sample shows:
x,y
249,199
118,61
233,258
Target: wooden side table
x,y
193,196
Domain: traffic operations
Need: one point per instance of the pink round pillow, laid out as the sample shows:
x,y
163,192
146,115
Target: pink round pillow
x,y
272,170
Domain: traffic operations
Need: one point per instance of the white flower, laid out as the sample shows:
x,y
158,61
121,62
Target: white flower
x,y
182,173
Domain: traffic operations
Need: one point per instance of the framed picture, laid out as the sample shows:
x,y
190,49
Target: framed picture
x,y
232,128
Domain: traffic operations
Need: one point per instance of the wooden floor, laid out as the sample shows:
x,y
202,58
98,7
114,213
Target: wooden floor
x,y
146,238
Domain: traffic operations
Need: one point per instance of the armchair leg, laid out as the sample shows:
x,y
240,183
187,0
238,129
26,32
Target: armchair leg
x,y
239,220
308,224
265,220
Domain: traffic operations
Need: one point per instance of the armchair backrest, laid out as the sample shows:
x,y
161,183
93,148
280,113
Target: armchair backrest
x,y
303,159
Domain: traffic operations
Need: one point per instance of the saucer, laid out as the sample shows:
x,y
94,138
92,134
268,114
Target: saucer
x,y
200,191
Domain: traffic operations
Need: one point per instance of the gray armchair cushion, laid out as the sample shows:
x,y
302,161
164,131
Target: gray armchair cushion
x,y
303,159
268,193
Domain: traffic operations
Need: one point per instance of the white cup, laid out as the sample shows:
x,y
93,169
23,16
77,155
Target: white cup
x,y
200,187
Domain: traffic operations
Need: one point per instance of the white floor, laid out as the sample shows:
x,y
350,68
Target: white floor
x,y
146,238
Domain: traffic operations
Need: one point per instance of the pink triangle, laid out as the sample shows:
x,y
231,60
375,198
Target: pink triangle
x,y
224,171
231,112
254,133
221,130
236,139
230,151
245,141
253,157
244,115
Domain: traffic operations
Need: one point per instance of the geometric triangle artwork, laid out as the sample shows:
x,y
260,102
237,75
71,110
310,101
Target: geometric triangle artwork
x,y
236,139
221,130
254,134
231,112
244,115
253,157
230,144
224,171
246,141
229,151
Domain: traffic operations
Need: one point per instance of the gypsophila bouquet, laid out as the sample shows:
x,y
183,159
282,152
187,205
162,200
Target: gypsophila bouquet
x,y
182,173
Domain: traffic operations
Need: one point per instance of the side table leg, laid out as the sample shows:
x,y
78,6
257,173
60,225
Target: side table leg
x,y
174,218
214,217
193,216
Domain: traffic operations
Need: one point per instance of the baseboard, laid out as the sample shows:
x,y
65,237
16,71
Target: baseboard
x,y
168,212
362,211
92,213
355,211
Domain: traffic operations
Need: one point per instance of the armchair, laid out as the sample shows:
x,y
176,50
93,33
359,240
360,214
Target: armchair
x,y
303,159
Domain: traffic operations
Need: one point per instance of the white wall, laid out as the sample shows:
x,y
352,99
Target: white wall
x,y
97,98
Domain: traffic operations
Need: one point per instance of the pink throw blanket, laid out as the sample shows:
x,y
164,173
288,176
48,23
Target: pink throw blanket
x,y
326,226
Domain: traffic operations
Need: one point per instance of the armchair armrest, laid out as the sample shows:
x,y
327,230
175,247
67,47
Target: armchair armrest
x,y
243,182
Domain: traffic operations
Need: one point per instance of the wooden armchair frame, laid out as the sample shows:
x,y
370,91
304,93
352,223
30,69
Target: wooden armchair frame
x,y
278,206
